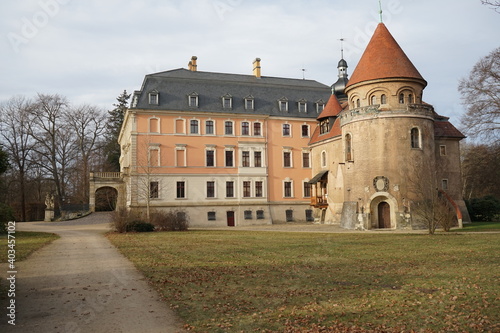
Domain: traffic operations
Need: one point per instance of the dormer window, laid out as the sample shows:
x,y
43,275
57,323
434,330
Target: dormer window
x,y
283,104
302,106
193,100
320,106
154,97
249,103
227,101
324,126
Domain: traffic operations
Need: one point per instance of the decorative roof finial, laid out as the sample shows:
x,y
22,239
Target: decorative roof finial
x,y
342,39
380,5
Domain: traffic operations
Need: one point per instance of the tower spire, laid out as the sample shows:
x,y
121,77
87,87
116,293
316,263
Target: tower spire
x,y
342,39
380,12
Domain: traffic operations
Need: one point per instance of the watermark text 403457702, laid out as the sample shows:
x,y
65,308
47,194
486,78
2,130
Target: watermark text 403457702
x,y
31,25
11,272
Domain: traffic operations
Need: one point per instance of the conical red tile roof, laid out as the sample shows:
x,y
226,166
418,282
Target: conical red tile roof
x,y
332,108
383,58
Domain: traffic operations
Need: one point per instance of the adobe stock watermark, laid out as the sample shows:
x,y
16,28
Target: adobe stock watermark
x,y
363,36
223,7
31,26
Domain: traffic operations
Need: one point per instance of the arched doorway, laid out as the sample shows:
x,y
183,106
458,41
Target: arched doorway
x,y
105,199
384,215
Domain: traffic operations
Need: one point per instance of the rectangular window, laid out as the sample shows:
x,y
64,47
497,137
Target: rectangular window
x,y
194,126
286,129
154,190
302,107
229,158
307,190
193,101
209,127
245,128
257,159
442,150
181,190
260,215
257,129
249,104
289,215
228,128
283,106
287,159
288,189
305,131
180,155
154,157
226,101
229,189
259,193
153,99
210,158
306,163
245,159
248,214
444,184
211,216
246,189
210,189
309,215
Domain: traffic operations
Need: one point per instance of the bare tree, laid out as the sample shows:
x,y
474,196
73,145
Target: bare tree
x,y
88,123
14,132
480,171
53,139
481,96
494,4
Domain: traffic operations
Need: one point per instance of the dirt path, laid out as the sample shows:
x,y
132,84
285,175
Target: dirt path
x,y
81,283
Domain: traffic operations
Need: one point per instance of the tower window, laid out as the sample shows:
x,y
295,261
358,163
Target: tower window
x,y
401,98
358,103
383,99
348,147
415,138
373,100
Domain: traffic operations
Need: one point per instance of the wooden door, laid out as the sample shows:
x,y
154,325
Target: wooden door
x,y
384,215
230,219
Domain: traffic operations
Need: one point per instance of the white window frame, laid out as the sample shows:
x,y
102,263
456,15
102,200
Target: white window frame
x,y
302,106
250,100
154,149
215,189
288,180
158,124
181,147
229,99
197,126
193,97
232,127
289,135
212,149
213,127
156,95
287,150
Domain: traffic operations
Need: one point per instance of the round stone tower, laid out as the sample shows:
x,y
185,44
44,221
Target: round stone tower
x,y
387,137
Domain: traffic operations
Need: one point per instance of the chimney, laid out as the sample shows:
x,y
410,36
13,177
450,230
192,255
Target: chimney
x,y
192,66
256,68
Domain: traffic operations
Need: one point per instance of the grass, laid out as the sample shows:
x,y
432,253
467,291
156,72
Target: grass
x,y
479,226
238,281
26,244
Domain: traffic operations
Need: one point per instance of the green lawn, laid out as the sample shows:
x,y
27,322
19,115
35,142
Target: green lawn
x,y
479,226
26,243
238,281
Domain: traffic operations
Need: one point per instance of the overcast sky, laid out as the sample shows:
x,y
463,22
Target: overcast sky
x,y
91,50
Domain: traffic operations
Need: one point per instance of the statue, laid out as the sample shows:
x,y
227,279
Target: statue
x,y
49,202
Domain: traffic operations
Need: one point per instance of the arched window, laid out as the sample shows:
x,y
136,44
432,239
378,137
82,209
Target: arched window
x,y
415,138
383,99
323,159
373,100
358,103
410,99
401,98
348,147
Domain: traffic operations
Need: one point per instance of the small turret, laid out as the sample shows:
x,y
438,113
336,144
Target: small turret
x,y
339,86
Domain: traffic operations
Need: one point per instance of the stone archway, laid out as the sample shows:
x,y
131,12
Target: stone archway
x,y
112,181
383,207
106,199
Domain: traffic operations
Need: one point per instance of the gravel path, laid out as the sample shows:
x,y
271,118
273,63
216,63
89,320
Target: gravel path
x,y
81,283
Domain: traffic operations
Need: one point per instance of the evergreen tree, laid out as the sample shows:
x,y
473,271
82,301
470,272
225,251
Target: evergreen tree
x,y
4,160
115,121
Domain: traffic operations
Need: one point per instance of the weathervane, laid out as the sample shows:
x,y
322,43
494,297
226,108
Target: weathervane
x,y
342,39
303,73
380,5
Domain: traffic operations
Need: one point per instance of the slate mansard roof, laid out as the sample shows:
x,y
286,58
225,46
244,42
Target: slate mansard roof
x,y
173,88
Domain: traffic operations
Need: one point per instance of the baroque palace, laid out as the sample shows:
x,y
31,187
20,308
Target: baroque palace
x,y
231,149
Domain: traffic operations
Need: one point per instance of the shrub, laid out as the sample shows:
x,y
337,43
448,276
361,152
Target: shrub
x,y
139,226
175,220
484,209
125,221
6,215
